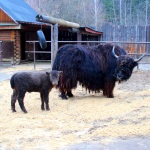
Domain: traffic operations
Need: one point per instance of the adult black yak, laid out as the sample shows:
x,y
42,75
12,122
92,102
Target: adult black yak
x,y
96,68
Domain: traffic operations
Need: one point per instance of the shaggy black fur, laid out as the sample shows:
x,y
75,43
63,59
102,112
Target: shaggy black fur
x,y
95,68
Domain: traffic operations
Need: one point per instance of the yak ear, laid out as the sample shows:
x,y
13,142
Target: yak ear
x,y
135,64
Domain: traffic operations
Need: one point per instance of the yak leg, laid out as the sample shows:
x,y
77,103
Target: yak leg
x,y
13,100
42,101
21,95
69,93
108,89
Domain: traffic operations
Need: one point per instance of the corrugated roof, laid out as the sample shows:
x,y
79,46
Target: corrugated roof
x,y
90,30
18,10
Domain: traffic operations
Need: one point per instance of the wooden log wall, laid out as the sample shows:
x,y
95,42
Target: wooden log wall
x,y
7,35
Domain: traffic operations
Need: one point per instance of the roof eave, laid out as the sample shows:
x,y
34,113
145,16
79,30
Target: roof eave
x,y
91,31
10,27
34,23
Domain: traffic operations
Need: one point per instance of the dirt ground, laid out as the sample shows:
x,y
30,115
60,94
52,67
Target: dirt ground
x,y
82,119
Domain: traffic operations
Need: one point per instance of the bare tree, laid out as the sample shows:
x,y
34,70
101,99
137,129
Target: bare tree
x,y
86,12
94,13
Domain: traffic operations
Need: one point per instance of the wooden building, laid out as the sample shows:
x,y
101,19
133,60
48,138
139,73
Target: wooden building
x,y
18,24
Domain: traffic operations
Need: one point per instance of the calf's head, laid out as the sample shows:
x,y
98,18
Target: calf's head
x,y
54,76
125,65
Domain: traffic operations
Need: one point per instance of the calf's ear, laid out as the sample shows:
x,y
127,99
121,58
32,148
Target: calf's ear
x,y
60,72
48,73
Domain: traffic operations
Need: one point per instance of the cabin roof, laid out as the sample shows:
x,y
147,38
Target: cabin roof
x,y
18,10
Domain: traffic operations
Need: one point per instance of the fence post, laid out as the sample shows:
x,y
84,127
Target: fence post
x,y
137,51
1,52
34,55
54,42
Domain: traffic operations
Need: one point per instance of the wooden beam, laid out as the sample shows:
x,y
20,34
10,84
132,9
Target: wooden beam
x,y
10,27
54,42
52,20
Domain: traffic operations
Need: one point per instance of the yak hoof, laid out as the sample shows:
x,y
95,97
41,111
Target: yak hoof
x,y
70,94
110,96
25,111
42,108
13,111
63,96
48,109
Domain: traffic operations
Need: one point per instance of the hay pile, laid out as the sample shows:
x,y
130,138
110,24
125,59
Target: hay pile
x,y
83,118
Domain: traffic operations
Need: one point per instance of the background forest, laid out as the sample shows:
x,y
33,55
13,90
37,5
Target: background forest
x,y
96,13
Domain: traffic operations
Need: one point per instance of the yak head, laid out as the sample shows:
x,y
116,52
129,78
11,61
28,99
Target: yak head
x,y
125,65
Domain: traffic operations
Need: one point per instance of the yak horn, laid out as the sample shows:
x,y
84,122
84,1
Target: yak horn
x,y
113,52
137,60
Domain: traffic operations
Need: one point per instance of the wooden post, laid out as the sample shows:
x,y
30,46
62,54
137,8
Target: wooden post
x,y
79,37
148,39
54,42
1,52
138,51
34,55
52,20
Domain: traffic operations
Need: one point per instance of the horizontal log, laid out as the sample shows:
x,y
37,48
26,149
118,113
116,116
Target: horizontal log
x,y
52,20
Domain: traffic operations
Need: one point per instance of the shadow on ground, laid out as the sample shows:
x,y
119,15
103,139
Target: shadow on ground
x,y
114,144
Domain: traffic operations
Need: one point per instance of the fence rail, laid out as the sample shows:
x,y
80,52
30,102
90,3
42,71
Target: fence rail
x,y
136,54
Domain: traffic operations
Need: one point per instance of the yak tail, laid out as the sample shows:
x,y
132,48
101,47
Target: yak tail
x,y
12,83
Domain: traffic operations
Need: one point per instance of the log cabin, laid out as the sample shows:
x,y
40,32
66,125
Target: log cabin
x,y
18,24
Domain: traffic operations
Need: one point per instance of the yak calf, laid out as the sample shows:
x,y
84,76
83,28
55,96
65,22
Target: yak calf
x,y
35,81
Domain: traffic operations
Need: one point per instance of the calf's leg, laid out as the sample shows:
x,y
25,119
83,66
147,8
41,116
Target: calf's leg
x,y
46,100
42,101
13,100
21,95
